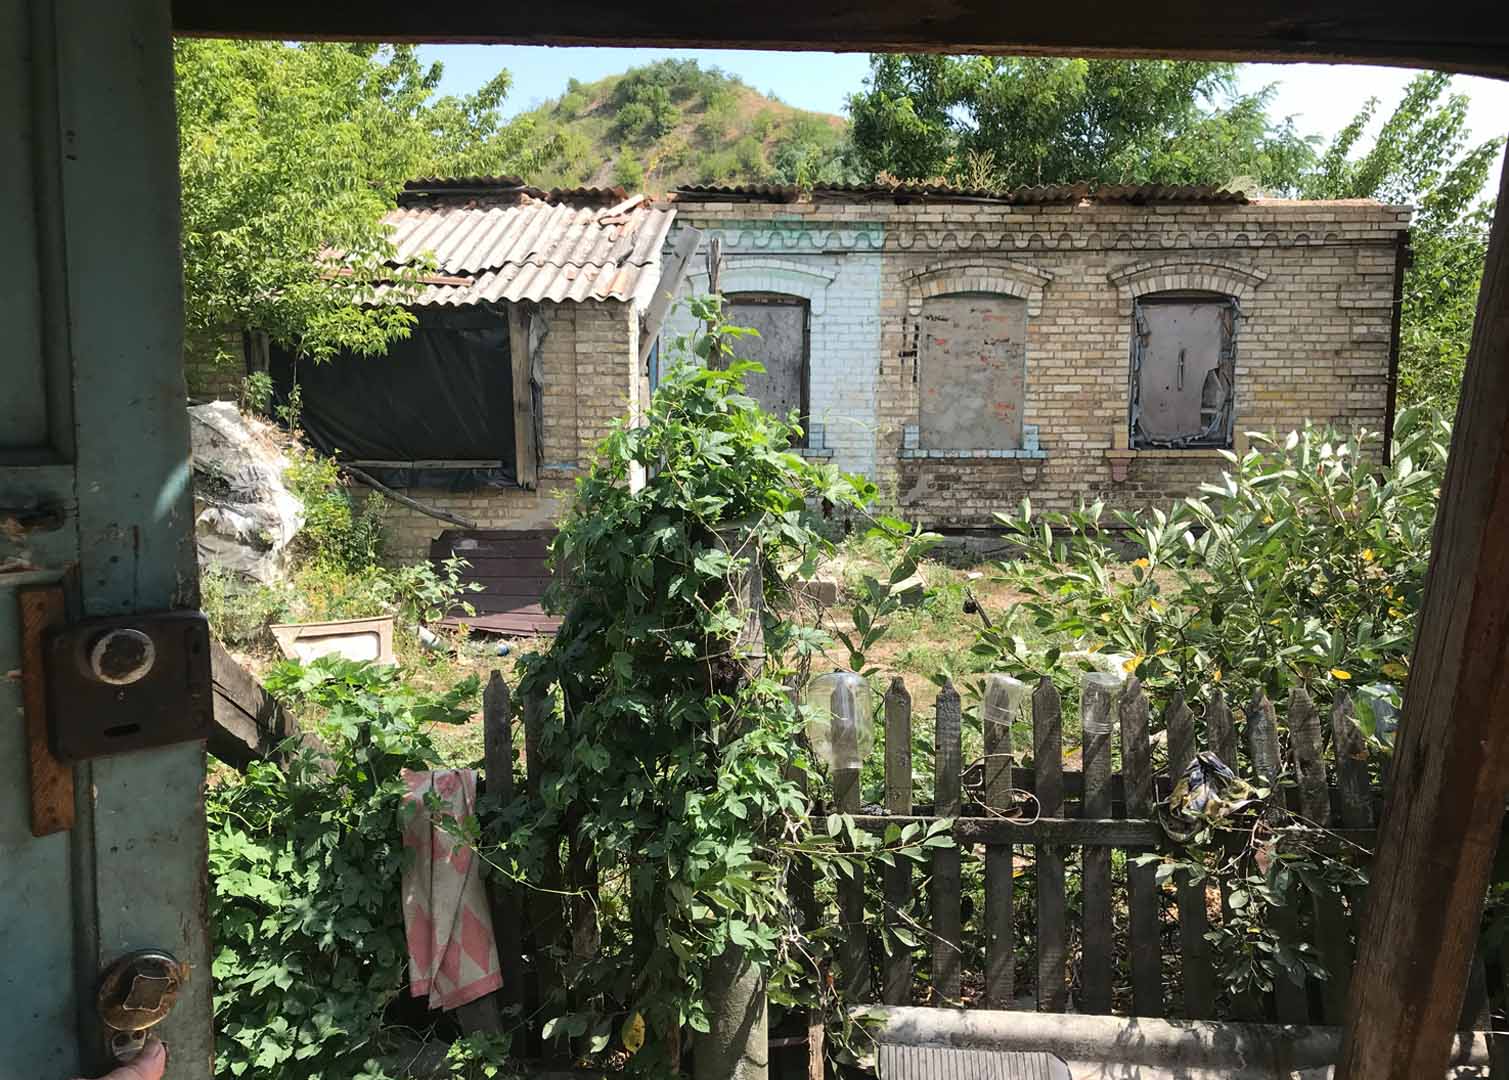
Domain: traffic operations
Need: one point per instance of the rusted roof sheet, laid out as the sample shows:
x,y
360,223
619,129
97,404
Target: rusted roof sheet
x,y
529,249
429,189
740,192
1037,195
1198,194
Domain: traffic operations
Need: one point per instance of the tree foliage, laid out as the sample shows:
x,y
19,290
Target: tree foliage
x,y
1045,121
1422,156
287,151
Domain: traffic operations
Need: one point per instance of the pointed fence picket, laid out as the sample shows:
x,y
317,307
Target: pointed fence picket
x,y
1099,933
1095,932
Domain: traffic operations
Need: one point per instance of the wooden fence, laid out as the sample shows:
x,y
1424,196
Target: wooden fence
x,y
1121,942
1066,822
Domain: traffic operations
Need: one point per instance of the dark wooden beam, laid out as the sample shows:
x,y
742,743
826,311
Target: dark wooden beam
x,y
1450,776
1456,35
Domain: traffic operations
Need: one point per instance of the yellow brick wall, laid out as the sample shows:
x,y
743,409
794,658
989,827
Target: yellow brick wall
x,y
213,377
1315,283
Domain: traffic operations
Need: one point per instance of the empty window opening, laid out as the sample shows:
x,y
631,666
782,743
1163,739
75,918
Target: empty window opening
x,y
784,386
1184,370
973,372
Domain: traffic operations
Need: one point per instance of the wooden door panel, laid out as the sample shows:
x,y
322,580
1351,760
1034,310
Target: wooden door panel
x,y
973,372
95,495
781,347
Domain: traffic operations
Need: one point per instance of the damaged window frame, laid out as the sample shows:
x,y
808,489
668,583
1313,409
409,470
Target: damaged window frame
x,y
1216,432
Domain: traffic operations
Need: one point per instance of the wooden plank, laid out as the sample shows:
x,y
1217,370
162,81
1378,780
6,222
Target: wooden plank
x,y
1199,981
1463,36
1290,1002
526,453
1221,739
249,725
1351,754
948,938
1097,964
50,780
671,276
1048,759
1331,930
1220,730
405,500
503,898
897,966
1064,832
1144,934
1444,809
1000,900
854,943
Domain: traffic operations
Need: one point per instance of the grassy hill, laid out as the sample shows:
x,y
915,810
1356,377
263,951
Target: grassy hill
x,y
673,122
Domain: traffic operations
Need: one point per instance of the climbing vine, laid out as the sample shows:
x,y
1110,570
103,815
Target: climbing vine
x,y
674,766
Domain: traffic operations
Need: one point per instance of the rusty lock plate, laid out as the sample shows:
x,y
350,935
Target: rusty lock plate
x,y
127,683
136,994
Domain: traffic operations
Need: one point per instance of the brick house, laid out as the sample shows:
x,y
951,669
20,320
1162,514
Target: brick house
x,y
447,417
967,349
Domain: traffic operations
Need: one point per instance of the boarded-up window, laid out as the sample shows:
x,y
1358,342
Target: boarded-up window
x,y
1183,370
973,372
781,347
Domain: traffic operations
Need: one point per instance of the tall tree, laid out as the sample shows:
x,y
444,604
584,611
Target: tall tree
x,y
288,151
1422,156
1010,121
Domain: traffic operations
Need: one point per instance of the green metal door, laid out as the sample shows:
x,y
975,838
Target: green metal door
x,y
94,495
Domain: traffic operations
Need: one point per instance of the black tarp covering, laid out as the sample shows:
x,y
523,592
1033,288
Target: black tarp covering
x,y
444,393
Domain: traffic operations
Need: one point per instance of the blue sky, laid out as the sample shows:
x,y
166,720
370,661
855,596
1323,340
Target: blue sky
x,y
1321,97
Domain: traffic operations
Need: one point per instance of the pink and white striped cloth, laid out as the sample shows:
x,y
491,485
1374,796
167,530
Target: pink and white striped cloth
x,y
453,956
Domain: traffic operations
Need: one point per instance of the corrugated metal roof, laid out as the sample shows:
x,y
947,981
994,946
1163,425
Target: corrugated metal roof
x,y
1205,194
1038,195
427,191
531,249
741,192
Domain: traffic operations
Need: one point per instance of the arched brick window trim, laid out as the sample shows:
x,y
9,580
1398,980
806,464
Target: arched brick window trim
x,y
769,275
1182,275
1003,277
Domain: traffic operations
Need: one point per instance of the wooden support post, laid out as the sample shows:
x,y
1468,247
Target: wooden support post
x,y
1445,805
521,357
854,944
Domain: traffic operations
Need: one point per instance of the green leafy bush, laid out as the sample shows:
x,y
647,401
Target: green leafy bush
x,y
1304,566
305,859
335,531
670,760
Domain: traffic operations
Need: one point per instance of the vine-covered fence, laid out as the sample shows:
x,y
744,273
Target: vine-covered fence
x,y
1059,823
1043,902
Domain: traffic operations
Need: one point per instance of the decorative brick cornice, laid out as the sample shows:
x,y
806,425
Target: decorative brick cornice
x,y
743,273
796,236
979,275
1183,273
